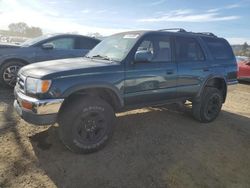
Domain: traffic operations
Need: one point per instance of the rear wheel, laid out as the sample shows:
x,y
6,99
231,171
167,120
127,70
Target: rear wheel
x,y
86,124
209,107
8,73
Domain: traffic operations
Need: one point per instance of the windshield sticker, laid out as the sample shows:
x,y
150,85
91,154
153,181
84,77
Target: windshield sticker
x,y
131,36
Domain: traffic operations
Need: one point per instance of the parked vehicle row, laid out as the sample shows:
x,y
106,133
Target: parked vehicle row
x,y
126,71
47,47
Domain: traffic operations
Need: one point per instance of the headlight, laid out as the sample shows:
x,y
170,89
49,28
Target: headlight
x,y
34,86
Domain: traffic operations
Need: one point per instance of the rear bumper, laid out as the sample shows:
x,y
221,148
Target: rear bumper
x,y
244,78
231,85
43,112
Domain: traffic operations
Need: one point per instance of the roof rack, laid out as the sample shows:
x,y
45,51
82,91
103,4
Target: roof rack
x,y
174,29
207,33
183,30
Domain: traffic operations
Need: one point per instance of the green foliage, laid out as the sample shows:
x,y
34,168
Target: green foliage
x,y
18,29
34,32
23,30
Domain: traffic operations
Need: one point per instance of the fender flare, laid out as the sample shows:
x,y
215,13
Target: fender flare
x,y
210,77
110,87
7,59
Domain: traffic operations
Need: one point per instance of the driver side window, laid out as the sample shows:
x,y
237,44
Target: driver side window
x,y
146,45
159,48
63,43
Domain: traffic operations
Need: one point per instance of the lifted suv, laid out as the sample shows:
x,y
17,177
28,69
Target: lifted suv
x,y
126,70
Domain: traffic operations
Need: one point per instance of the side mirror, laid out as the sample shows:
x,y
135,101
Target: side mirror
x,y
48,46
143,56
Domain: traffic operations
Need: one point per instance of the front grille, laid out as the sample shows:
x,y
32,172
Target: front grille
x,y
21,82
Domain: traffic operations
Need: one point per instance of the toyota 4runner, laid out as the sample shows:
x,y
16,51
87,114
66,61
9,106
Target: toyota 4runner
x,y
126,70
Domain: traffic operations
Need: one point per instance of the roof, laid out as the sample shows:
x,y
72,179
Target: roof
x,y
179,31
67,34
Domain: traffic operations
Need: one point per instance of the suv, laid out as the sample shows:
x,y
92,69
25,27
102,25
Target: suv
x,y
126,70
43,48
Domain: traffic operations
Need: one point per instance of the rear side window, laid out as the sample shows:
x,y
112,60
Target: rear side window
x,y
188,49
219,48
86,43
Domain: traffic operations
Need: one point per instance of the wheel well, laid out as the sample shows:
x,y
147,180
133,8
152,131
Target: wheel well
x,y
220,84
16,59
106,94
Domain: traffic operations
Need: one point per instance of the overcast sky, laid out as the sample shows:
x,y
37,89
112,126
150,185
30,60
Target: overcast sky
x,y
226,18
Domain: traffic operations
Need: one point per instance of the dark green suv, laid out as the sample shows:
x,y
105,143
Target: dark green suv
x,y
126,70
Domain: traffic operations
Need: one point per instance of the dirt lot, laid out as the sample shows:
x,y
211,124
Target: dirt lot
x,y
151,147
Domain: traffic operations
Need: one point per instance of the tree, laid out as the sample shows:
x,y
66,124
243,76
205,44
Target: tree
x,y
244,47
23,30
34,32
18,29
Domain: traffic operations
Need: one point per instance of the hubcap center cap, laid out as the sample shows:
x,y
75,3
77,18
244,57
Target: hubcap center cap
x,y
90,125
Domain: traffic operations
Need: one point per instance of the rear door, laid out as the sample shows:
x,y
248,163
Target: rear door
x,y
222,61
154,81
192,65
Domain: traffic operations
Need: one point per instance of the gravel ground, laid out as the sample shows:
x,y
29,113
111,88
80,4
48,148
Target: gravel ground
x,y
151,147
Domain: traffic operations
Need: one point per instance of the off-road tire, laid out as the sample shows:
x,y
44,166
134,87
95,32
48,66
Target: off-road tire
x,y
209,106
72,124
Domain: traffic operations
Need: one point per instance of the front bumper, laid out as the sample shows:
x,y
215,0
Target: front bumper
x,y
42,112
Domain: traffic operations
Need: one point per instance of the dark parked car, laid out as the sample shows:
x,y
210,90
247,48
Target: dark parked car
x,y
47,47
126,70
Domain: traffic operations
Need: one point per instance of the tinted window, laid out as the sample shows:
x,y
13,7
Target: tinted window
x,y
159,47
188,49
219,48
63,43
86,43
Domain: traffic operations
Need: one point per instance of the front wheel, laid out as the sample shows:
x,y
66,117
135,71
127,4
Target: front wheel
x,y
8,73
209,106
86,124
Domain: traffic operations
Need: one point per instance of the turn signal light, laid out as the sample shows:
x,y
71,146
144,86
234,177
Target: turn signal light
x,y
27,105
45,86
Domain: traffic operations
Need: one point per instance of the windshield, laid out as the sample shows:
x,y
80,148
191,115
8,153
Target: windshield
x,y
34,40
115,47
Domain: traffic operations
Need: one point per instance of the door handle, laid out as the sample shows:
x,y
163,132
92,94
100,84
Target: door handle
x,y
170,72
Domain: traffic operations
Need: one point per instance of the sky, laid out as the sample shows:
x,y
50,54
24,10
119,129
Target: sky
x,y
226,18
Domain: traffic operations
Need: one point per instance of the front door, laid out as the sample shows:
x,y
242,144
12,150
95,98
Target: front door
x,y
64,47
155,80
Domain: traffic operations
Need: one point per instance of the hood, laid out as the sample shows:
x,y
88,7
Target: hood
x,y
8,45
63,67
